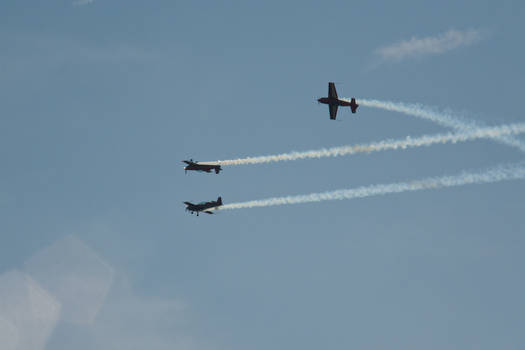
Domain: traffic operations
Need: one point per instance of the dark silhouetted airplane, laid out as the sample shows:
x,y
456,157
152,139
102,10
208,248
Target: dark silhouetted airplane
x,y
204,206
334,102
201,166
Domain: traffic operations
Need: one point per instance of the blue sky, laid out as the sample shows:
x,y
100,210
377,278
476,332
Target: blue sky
x,y
102,100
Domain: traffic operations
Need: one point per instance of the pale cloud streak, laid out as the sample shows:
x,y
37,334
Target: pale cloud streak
x,y
35,53
28,313
132,321
431,45
82,2
75,275
68,288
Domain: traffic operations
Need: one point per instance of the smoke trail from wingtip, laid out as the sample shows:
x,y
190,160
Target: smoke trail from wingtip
x,y
427,140
496,174
443,119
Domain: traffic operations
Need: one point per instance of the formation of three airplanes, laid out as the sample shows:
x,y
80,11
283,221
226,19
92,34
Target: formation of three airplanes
x,y
333,103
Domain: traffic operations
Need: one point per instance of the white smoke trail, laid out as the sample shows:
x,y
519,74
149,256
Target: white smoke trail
x,y
427,140
443,119
500,173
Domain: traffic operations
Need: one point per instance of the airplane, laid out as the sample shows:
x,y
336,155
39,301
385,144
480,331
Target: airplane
x,y
203,206
201,166
334,102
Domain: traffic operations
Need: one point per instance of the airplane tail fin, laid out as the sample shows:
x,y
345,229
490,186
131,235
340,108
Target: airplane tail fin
x,y
353,105
219,201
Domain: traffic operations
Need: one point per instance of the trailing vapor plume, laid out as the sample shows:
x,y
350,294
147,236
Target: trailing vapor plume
x,y
500,173
409,142
443,119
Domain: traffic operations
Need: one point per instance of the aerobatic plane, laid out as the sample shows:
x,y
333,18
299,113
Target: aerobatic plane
x,y
334,102
201,166
205,207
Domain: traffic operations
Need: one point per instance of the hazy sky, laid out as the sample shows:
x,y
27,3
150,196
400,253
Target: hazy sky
x,y
102,99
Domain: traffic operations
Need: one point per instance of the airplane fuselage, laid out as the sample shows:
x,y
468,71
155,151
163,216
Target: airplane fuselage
x,y
203,207
200,207
196,208
202,167
334,101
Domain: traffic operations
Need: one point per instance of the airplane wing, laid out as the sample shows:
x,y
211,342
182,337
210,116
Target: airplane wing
x,y
331,90
333,111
